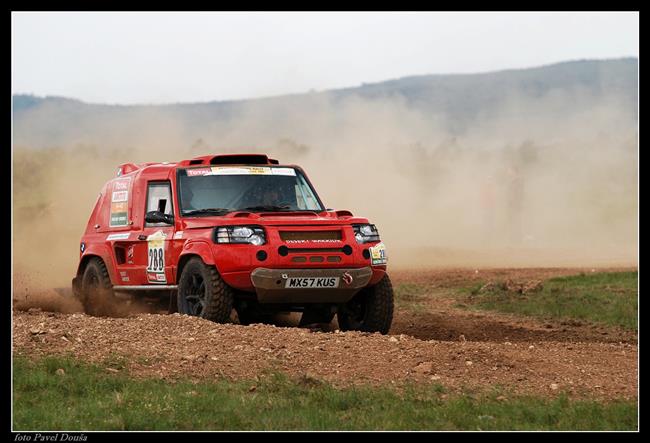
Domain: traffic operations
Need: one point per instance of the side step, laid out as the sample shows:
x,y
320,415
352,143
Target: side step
x,y
143,287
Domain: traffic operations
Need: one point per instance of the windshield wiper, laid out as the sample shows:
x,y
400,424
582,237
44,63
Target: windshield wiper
x,y
208,211
267,208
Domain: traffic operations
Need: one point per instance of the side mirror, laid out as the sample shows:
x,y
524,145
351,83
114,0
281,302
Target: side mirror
x,y
159,217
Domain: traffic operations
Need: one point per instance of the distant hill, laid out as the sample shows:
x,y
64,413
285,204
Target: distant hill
x,y
462,100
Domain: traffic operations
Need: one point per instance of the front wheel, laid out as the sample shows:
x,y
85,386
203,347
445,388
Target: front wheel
x,y
203,293
371,310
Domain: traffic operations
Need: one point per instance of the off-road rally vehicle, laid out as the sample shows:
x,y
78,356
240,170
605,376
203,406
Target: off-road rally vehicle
x,y
237,232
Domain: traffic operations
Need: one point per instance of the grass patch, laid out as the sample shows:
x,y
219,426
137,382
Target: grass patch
x,y
86,397
609,298
410,296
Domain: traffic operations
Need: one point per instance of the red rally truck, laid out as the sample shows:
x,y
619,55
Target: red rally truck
x,y
223,232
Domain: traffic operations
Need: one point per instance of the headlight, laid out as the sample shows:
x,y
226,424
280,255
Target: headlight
x,y
253,235
365,233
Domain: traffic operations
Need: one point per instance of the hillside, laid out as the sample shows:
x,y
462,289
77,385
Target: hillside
x,y
457,102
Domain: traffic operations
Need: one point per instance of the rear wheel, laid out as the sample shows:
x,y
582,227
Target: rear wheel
x,y
371,310
97,294
203,293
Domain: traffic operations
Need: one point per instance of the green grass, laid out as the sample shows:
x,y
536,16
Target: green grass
x,y
89,398
410,296
609,298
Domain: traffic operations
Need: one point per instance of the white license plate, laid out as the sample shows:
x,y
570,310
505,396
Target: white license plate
x,y
312,282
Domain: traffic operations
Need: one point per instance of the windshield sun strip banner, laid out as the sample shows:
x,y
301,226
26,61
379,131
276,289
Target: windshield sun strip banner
x,y
240,170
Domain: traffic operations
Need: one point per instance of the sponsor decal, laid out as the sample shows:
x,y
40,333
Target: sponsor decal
x,y
156,257
314,241
120,203
284,171
82,246
119,206
120,236
378,254
121,185
198,171
347,278
124,276
120,196
178,234
252,170
256,170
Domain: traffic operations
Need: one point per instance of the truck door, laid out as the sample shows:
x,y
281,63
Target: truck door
x,y
153,254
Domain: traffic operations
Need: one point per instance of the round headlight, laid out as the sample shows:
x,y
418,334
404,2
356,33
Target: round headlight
x,y
366,230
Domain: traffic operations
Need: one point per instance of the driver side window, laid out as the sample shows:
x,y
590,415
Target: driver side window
x,y
159,198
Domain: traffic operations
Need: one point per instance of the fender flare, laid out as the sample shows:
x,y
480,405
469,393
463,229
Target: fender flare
x,y
101,251
198,248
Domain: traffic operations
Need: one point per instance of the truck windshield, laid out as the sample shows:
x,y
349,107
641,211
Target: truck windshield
x,y
222,189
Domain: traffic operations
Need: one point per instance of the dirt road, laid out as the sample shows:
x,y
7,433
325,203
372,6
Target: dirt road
x,y
440,343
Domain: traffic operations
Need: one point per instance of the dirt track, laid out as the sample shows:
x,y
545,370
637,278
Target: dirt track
x,y
438,344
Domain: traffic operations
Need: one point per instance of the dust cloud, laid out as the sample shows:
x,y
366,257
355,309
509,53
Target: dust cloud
x,y
527,185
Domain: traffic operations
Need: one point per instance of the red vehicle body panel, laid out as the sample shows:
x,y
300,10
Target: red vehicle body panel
x,y
116,232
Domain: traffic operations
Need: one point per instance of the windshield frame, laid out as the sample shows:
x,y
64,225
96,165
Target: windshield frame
x,y
299,172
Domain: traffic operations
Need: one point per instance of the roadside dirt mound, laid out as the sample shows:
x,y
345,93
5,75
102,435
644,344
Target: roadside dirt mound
x,y
169,346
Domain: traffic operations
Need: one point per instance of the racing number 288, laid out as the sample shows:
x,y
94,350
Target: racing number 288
x,y
156,259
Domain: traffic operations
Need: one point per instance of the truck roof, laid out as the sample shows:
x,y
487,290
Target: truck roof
x,y
205,160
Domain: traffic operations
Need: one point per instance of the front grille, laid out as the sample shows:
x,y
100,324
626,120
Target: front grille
x,y
317,250
284,251
310,235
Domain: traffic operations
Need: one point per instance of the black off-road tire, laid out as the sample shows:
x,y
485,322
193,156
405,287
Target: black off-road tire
x,y
209,296
371,310
97,294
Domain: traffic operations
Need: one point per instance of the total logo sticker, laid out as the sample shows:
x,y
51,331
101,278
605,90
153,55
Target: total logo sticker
x,y
156,257
378,254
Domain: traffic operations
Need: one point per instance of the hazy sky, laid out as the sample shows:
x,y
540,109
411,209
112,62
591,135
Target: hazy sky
x,y
180,57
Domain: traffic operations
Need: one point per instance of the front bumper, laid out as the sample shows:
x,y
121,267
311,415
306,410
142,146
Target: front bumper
x,y
269,285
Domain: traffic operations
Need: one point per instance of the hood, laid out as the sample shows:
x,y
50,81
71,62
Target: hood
x,y
335,218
